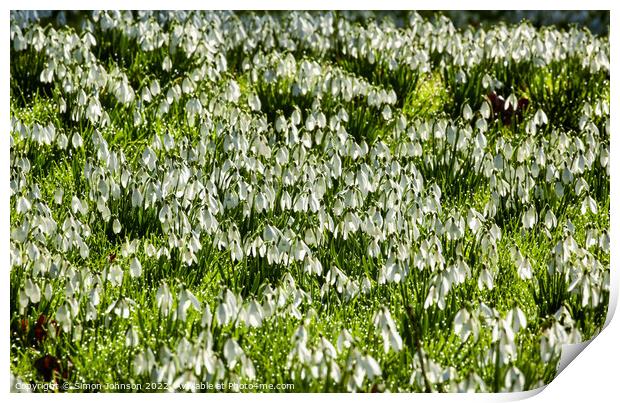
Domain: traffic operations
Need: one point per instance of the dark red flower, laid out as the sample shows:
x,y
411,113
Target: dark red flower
x,y
498,103
24,324
47,365
40,330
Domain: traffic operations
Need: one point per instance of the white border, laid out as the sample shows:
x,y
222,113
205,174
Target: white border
x,y
592,376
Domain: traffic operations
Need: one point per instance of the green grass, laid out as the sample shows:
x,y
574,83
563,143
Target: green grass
x,y
97,352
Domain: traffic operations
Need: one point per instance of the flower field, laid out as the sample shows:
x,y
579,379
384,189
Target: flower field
x,y
330,201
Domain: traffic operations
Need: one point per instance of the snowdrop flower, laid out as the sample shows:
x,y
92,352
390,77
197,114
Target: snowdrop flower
x,y
131,337
344,340
254,102
540,118
485,279
163,298
63,316
207,317
465,325
524,269
485,110
467,112
254,314
186,300
193,108
232,352
589,204
115,275
391,338
23,205
371,367
514,380
121,308
149,159
116,226
135,267
517,319
550,220
32,291
227,310
529,218
58,193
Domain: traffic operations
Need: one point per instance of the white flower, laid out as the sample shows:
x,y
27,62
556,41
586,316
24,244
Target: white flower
x,y
511,102
33,291
468,113
149,159
485,279
76,140
589,204
23,205
163,298
474,221
58,193
524,269
135,267
115,275
254,102
550,220
63,316
485,109
344,340
391,338
206,317
186,300
136,198
517,319
131,337
371,367
232,352
47,293
540,117
223,314
386,112
514,380
254,314
529,218
116,226
465,326
193,108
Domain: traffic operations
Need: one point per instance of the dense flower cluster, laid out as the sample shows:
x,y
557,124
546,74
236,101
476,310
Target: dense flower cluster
x,y
199,190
